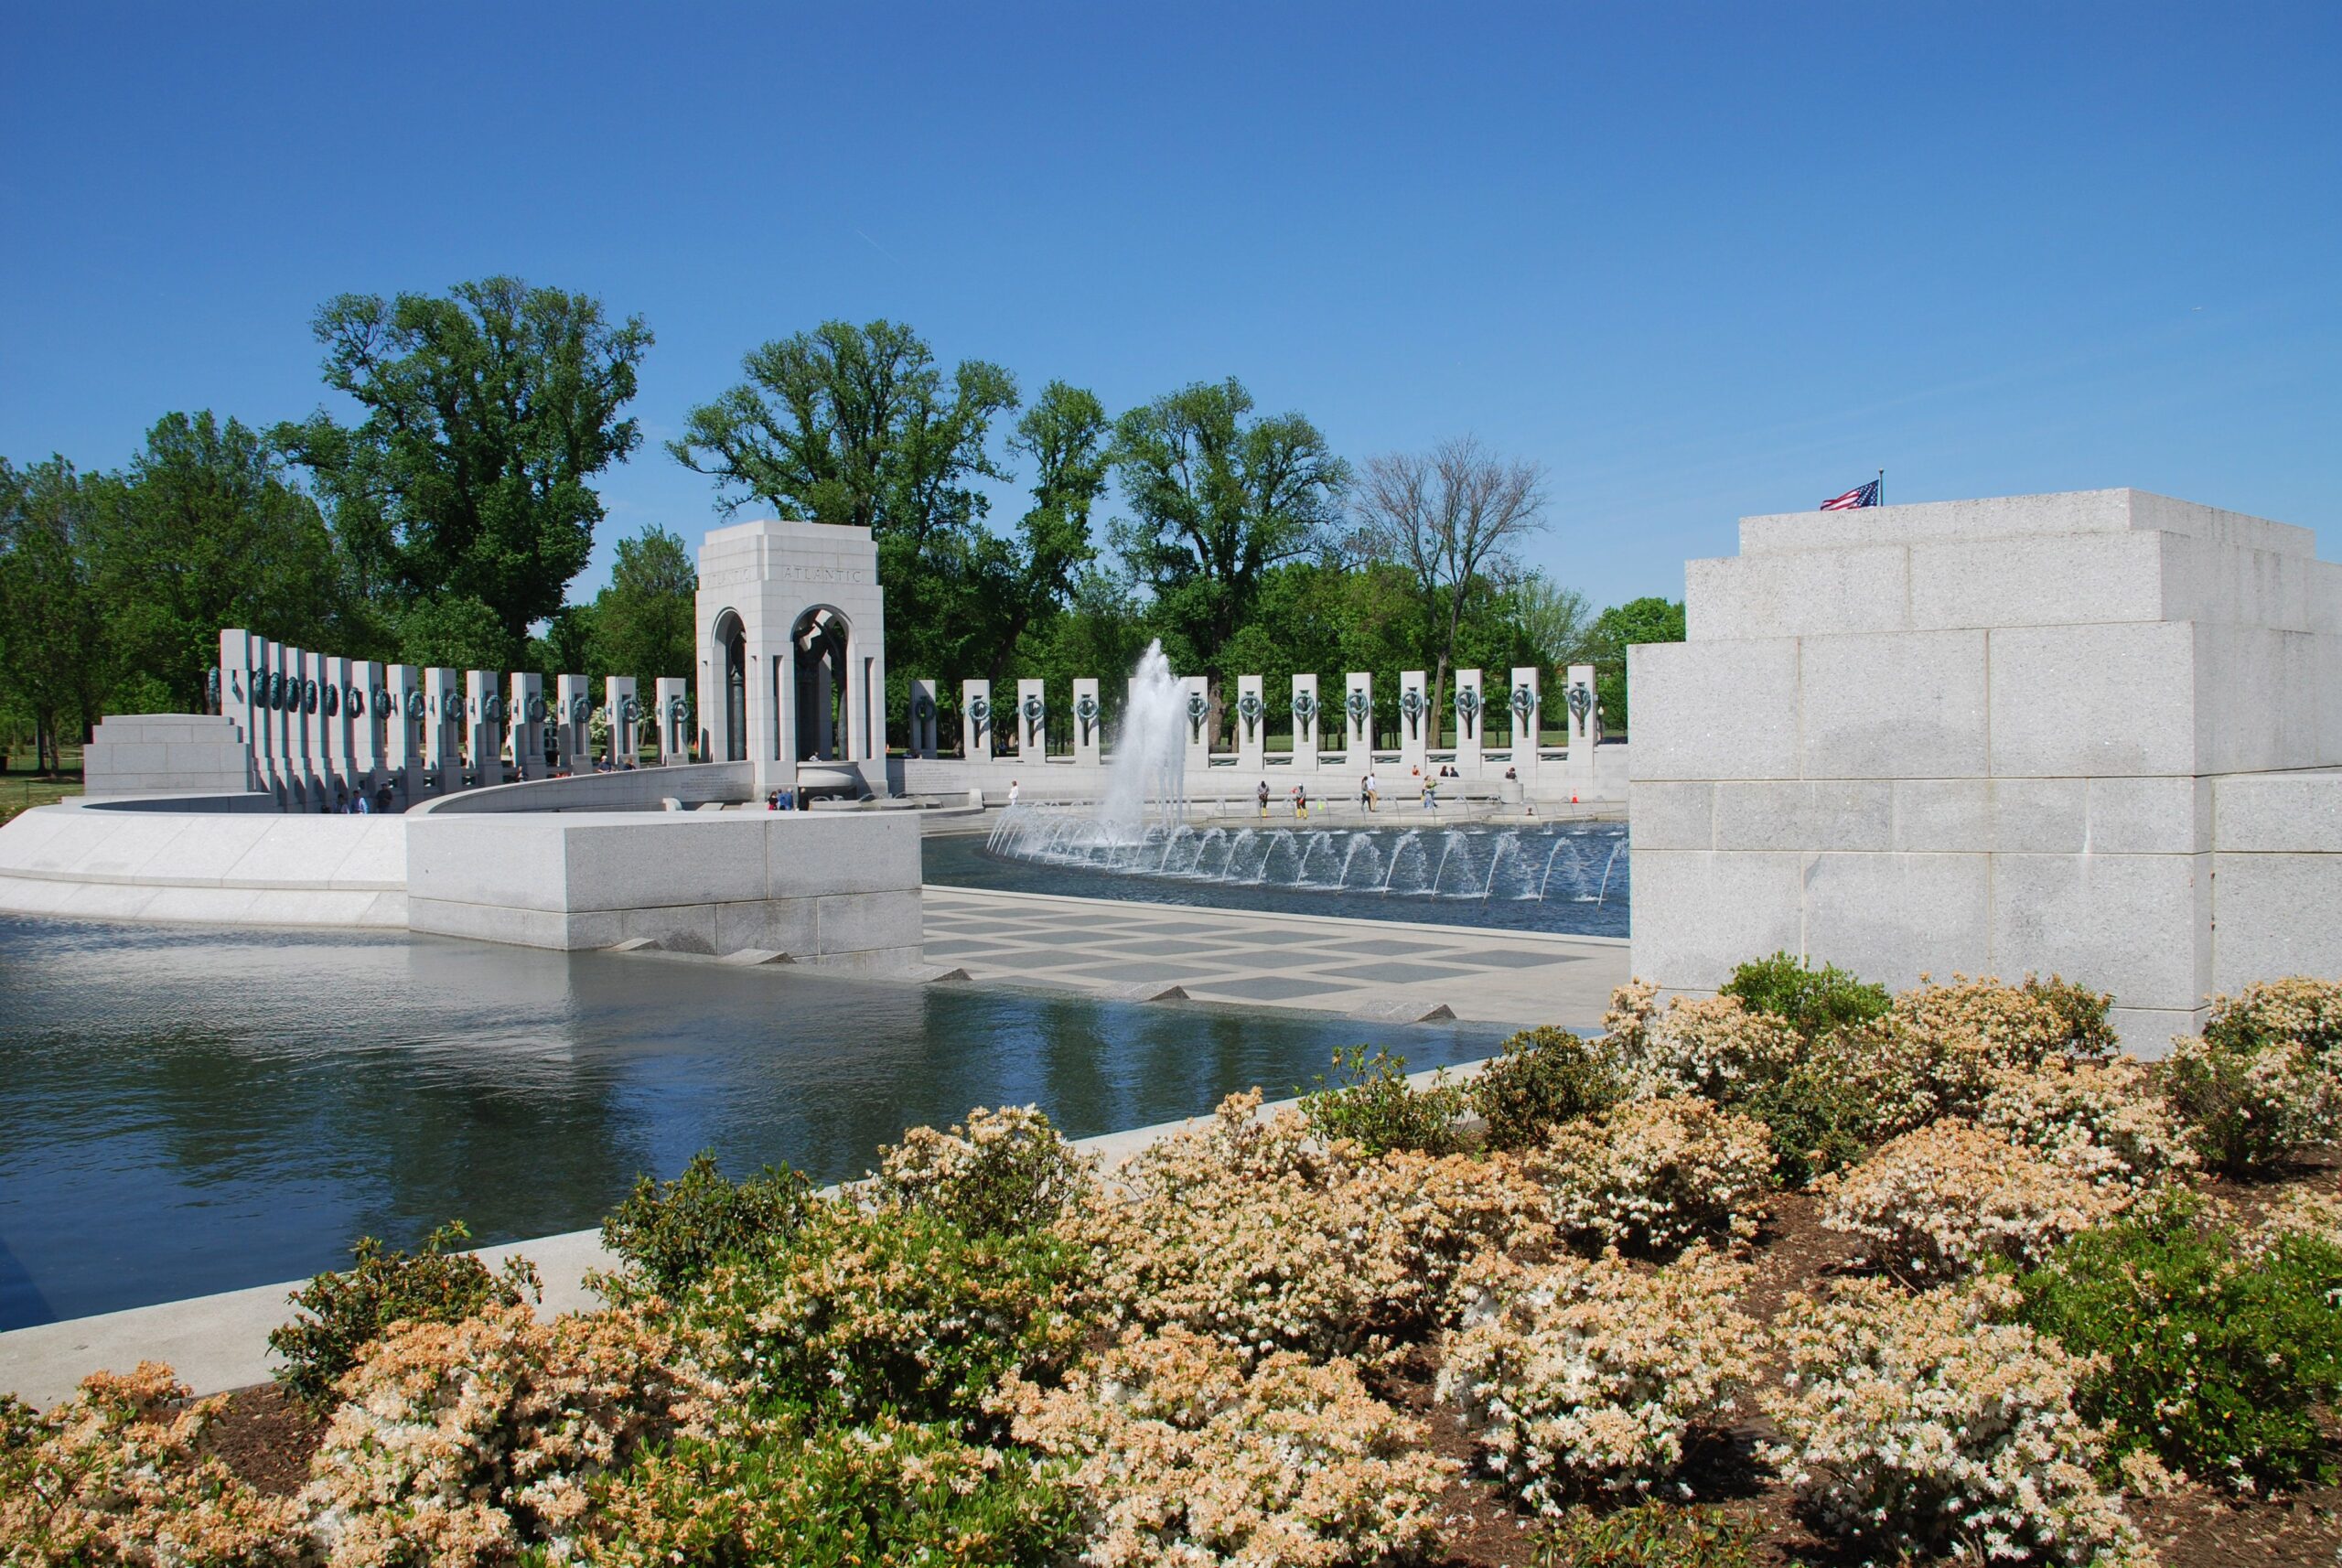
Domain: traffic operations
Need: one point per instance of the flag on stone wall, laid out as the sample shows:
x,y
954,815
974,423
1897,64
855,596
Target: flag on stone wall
x,y
1861,495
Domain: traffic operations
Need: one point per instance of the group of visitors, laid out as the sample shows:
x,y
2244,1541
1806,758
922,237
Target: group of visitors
x,y
1298,796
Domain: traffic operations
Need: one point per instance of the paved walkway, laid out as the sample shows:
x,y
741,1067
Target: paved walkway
x,y
1378,968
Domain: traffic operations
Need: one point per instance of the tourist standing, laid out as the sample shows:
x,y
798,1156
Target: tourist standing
x,y
1264,794
1300,803
1366,789
1013,792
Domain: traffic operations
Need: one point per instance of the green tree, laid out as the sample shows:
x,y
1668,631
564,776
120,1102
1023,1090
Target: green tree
x,y
53,653
642,623
1617,629
1064,432
204,531
487,412
1556,622
1219,499
857,425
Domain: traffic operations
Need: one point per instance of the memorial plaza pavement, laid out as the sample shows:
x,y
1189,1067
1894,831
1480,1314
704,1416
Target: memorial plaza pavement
x,y
1377,969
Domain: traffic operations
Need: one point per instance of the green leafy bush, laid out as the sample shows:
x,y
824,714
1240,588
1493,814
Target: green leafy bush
x,y
1649,1535
675,1232
1539,1080
2216,1355
893,1493
347,1311
1814,1001
1371,1103
2250,1104
1821,1120
897,1311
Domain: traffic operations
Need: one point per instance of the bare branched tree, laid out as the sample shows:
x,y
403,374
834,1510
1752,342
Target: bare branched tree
x,y
1454,516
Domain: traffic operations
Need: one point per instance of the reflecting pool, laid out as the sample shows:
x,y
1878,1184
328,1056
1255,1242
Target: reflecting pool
x,y
184,1111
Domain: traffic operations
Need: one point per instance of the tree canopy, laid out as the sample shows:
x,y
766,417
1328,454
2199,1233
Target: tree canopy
x,y
487,413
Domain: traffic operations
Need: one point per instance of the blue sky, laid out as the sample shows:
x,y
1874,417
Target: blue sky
x,y
1699,261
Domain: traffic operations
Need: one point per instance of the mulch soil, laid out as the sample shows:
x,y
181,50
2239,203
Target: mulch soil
x,y
267,1437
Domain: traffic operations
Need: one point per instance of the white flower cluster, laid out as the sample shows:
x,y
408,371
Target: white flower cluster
x,y
2104,1121
1937,1203
1185,1459
1580,1373
1712,1046
1656,1174
1004,1170
1918,1425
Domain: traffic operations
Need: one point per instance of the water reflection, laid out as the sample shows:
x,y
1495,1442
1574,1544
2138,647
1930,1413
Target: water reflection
x,y
185,1112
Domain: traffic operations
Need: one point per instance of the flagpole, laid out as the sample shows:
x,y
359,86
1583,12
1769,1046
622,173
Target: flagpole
x,y
1882,487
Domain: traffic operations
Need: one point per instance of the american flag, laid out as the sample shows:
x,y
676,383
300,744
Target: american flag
x,y
1861,495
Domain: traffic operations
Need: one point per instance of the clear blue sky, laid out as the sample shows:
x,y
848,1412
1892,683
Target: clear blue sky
x,y
1699,261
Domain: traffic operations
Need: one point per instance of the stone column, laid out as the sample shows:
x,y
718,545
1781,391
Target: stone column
x,y
1032,722
625,711
442,695
368,719
238,656
1416,721
484,736
315,765
277,727
1358,721
922,717
1524,705
976,720
341,731
1195,714
1470,710
1579,765
1088,722
674,722
573,723
525,713
409,713
1305,720
1252,726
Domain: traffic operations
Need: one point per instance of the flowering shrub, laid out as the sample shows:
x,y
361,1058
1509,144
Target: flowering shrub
x,y
676,1233
1813,1001
1538,1079
2214,1356
2299,1010
886,1495
2251,1100
1712,1046
1437,1216
116,1474
1590,1374
461,1443
1918,1425
1183,1456
1247,1230
2306,1212
899,1311
1937,1203
1374,1106
345,1313
2102,1120
1936,1052
1652,1176
1006,1170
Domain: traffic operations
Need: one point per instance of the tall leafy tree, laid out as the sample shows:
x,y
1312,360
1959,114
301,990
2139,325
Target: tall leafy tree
x,y
1064,434
53,653
466,484
1220,498
642,624
204,531
859,425
1619,627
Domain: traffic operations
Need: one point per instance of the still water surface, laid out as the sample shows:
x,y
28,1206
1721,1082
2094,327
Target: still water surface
x,y
184,1111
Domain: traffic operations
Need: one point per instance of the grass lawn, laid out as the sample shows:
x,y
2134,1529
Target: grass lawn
x,y
21,790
